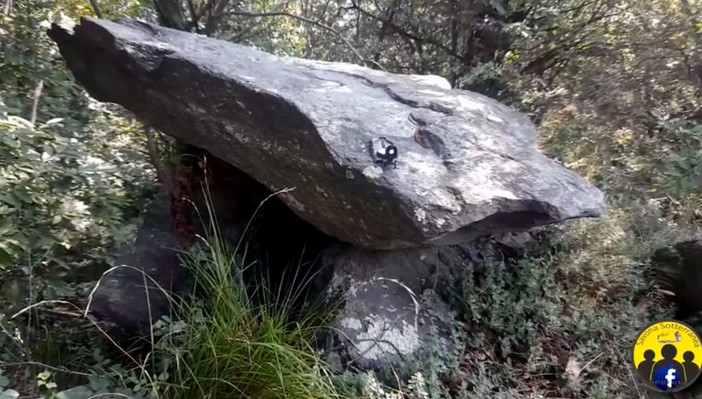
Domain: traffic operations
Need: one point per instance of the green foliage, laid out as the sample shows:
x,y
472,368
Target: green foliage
x,y
70,176
225,345
5,391
72,181
563,320
264,354
30,67
61,196
614,87
684,172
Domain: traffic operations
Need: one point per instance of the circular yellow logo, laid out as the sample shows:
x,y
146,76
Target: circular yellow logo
x,y
667,356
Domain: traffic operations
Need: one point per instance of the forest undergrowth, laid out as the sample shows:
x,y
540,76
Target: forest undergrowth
x,y
614,88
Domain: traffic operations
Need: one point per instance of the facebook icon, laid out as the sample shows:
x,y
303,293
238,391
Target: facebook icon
x,y
667,378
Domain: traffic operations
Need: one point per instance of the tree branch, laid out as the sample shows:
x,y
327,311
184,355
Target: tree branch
x,y
7,8
348,44
163,173
96,8
35,105
194,17
215,16
324,11
408,35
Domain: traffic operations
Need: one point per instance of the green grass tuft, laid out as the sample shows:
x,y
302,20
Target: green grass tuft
x,y
232,347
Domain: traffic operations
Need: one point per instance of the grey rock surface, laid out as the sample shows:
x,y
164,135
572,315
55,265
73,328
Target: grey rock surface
x,y
275,240
136,292
85,392
473,168
393,314
677,270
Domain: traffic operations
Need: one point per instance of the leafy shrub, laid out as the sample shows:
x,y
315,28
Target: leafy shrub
x,y
563,320
62,200
684,172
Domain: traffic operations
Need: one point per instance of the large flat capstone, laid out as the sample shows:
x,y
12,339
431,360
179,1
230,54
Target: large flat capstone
x,y
467,166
